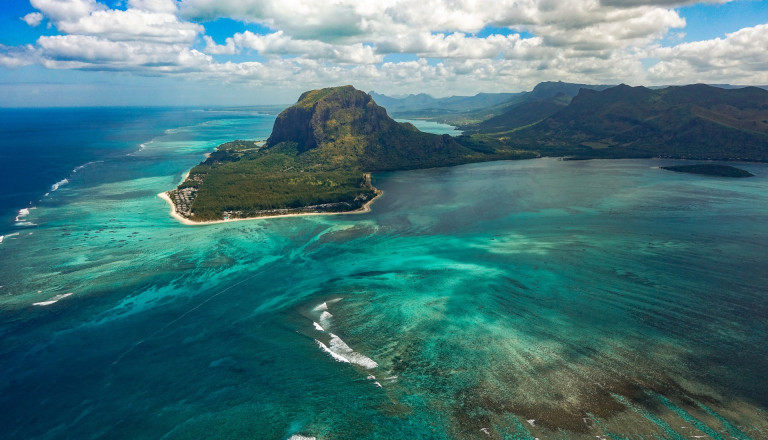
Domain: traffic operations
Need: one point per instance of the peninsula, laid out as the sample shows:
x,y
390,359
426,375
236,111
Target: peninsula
x,y
316,161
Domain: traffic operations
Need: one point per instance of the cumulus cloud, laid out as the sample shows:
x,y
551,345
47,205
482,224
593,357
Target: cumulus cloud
x,y
167,6
133,25
739,57
455,45
278,43
14,57
355,21
66,10
303,19
147,37
33,18
144,20
93,53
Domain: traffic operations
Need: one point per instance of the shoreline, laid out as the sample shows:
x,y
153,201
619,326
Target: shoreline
x,y
366,208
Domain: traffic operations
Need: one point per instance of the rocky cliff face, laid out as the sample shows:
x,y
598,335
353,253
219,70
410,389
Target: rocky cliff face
x,y
323,116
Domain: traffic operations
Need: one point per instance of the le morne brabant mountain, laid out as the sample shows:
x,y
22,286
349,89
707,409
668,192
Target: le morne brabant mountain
x,y
323,147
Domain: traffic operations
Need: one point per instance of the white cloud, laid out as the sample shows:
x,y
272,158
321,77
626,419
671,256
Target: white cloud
x,y
66,10
455,45
740,57
133,25
278,43
93,53
13,57
354,21
33,18
166,6
303,19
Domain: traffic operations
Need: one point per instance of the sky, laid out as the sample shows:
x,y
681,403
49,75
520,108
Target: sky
x,y
253,52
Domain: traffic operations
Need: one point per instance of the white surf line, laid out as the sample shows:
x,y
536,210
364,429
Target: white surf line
x,y
339,350
131,348
53,300
323,306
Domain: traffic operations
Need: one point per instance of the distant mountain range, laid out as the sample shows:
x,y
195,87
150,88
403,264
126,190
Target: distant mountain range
x,y
425,105
692,122
468,112
599,121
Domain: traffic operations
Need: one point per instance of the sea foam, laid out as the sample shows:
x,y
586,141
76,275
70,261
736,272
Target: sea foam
x,y
335,356
23,212
342,352
59,184
3,237
52,300
80,167
325,318
341,348
22,215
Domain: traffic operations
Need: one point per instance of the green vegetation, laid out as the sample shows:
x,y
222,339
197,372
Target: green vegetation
x,y
688,122
237,182
708,169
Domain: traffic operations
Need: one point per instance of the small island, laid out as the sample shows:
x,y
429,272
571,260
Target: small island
x,y
707,169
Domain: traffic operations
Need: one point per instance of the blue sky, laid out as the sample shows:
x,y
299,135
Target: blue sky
x,y
239,52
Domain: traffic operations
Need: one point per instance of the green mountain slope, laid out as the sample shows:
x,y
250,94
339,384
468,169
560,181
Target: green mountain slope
x,y
524,113
695,122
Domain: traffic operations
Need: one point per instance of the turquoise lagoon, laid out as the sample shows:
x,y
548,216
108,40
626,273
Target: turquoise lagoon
x,y
512,300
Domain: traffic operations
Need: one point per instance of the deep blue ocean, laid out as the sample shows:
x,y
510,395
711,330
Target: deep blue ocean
x,y
42,147
539,299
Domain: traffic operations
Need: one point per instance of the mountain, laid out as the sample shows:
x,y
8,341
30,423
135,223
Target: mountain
x,y
549,89
530,107
695,122
522,114
468,112
342,127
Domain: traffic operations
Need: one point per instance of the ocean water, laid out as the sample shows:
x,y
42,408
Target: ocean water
x,y
507,300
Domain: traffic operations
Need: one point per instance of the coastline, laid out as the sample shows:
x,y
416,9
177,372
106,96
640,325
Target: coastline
x,y
164,195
